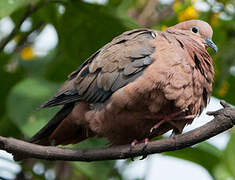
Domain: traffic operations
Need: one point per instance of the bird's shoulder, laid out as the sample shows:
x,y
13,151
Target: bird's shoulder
x,y
115,65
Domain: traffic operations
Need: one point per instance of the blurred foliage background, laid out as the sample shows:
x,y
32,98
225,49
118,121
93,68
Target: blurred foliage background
x,y
29,74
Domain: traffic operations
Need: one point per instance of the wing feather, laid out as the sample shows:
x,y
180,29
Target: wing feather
x,y
115,65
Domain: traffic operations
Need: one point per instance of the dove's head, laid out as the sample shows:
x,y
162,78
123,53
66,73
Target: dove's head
x,y
199,30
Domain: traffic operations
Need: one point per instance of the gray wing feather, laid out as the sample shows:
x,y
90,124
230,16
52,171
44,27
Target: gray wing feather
x,y
115,65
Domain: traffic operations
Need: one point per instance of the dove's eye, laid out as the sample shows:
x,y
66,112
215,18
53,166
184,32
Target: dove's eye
x,y
195,30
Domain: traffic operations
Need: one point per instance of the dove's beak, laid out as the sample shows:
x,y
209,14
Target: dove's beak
x,y
211,44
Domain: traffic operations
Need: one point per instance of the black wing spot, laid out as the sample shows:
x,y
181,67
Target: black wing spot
x,y
95,94
136,31
121,41
74,74
205,96
198,64
85,72
181,44
164,35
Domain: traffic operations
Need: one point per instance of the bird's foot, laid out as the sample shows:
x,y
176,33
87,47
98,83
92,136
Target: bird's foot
x,y
158,124
133,144
179,115
146,141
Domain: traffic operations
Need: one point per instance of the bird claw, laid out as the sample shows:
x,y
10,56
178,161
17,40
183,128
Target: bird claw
x,y
152,129
146,141
133,144
165,118
188,117
176,116
144,157
157,125
132,158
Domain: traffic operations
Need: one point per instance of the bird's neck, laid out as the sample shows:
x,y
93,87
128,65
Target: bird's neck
x,y
198,53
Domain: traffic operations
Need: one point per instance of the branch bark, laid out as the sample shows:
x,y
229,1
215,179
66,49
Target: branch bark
x,y
224,120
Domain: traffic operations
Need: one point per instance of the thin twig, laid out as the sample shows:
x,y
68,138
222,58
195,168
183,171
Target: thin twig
x,y
147,12
224,120
150,16
23,39
30,10
155,18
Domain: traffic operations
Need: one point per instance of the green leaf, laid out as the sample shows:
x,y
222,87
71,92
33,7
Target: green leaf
x,y
203,154
10,74
82,30
229,152
9,6
8,128
92,143
222,173
230,95
48,14
224,81
24,98
95,170
36,67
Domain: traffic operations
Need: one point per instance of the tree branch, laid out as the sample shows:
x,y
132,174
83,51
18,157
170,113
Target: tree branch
x,y
150,16
224,120
23,41
29,12
147,12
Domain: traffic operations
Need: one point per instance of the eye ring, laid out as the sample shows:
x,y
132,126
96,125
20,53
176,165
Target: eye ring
x,y
195,29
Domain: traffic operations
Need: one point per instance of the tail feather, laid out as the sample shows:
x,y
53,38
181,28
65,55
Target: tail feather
x,y
42,136
62,129
67,133
67,97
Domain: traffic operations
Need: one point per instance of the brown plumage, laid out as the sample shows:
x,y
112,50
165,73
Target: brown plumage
x,y
140,85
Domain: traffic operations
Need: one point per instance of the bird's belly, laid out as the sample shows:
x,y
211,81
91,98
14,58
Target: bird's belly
x,y
121,128
124,119
132,111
